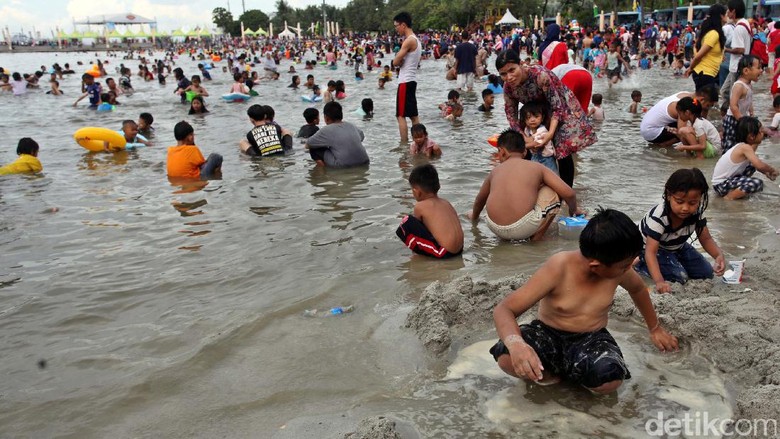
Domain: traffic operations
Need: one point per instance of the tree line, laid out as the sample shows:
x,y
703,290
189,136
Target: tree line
x,y
376,15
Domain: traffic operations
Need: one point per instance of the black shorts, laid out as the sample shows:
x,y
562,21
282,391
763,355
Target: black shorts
x,y
614,72
420,240
587,358
406,100
666,135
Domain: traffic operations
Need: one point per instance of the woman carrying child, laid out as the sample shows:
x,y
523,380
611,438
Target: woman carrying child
x,y
569,128
666,229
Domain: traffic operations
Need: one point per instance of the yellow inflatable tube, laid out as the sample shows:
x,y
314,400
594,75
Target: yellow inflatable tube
x,y
93,138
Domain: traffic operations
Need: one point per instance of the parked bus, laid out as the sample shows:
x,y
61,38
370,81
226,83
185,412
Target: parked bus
x,y
769,8
664,16
625,18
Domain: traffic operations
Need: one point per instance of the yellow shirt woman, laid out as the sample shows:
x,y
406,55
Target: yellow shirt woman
x,y
709,56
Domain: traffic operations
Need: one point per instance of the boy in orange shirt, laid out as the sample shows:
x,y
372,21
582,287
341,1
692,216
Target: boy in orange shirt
x,y
185,159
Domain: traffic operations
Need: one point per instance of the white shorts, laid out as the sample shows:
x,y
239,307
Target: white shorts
x,y
466,81
547,203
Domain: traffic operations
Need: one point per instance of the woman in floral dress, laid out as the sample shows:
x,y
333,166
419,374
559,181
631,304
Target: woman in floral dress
x,y
568,124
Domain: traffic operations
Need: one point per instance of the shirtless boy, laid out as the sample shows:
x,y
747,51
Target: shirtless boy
x,y
434,228
522,196
575,289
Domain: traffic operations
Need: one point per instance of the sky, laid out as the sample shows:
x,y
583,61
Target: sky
x,y
45,15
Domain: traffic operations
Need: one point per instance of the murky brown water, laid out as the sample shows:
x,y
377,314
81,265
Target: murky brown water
x,y
163,312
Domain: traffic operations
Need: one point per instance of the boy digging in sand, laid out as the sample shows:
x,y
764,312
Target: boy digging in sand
x,y
575,290
522,196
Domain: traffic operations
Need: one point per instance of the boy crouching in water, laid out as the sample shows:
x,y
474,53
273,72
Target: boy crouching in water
x,y
575,289
434,228
522,197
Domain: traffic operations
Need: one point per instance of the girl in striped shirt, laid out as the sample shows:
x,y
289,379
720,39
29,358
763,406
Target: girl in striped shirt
x,y
666,229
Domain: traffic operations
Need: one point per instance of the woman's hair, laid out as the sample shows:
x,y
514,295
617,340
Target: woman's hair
x,y
292,81
238,77
684,180
202,105
507,57
340,86
747,126
745,62
690,104
712,22
493,79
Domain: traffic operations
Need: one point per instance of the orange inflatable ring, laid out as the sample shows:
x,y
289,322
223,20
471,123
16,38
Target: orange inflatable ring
x,y
216,58
493,140
93,73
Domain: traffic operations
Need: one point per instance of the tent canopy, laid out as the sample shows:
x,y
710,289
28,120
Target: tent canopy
x,y
508,18
126,18
287,34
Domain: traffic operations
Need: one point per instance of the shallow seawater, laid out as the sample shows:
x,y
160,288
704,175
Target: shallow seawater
x,y
168,310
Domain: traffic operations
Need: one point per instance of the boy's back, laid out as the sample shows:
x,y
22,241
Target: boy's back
x,y
184,161
514,189
308,130
441,219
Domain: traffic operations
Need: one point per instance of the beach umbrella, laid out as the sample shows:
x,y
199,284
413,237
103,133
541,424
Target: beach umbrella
x,y
601,21
260,31
204,32
690,12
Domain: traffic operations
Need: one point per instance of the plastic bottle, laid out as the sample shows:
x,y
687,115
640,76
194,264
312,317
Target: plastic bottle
x,y
335,311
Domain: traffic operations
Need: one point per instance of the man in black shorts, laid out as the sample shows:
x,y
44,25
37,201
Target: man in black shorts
x,y
407,60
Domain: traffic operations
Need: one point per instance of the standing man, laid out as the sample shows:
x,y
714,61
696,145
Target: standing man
x,y
466,62
740,44
407,58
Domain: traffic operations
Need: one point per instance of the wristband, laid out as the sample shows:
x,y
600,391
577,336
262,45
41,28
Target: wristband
x,y
655,327
514,338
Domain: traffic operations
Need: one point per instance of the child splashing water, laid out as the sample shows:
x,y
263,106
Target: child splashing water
x,y
668,257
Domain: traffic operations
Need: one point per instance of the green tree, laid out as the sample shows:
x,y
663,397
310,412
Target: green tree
x,y
222,18
284,12
365,15
253,19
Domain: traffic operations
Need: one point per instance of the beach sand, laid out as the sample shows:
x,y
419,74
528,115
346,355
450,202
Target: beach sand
x,y
735,327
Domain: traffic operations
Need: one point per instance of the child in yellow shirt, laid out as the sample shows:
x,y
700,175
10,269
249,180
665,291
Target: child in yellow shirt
x,y
28,162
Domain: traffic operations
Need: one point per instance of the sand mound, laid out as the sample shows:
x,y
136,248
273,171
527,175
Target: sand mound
x,y
732,325
375,427
460,304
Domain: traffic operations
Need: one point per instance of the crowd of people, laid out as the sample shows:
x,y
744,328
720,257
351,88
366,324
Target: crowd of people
x,y
546,79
